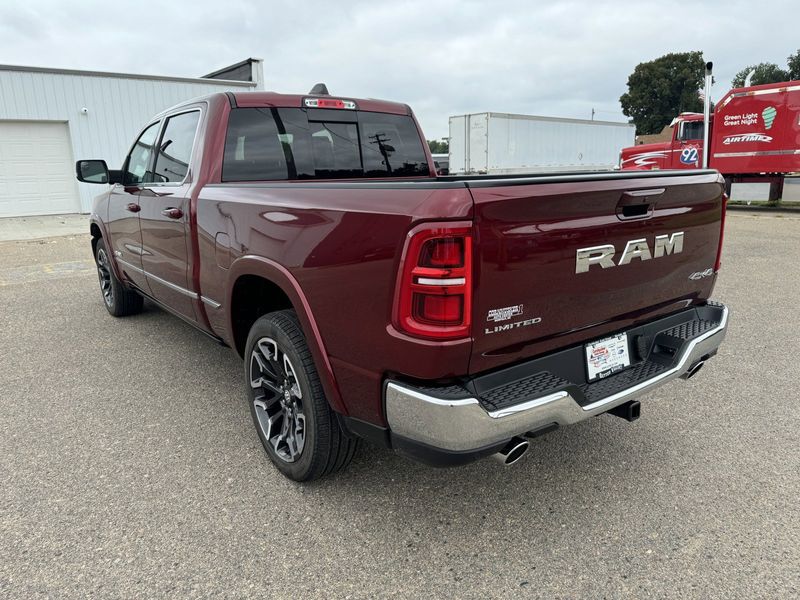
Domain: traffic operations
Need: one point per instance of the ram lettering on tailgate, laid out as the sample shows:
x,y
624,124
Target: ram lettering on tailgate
x,y
604,255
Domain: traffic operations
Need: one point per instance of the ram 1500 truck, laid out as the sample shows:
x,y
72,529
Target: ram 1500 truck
x,y
447,318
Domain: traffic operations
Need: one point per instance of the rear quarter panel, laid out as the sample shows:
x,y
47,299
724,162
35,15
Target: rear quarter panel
x,y
341,243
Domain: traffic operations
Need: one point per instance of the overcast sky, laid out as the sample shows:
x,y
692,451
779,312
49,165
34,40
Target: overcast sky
x,y
442,57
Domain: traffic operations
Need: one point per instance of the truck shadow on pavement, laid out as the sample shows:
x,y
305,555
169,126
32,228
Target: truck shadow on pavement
x,y
571,469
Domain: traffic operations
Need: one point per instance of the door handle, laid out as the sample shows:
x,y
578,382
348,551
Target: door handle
x,y
172,212
133,207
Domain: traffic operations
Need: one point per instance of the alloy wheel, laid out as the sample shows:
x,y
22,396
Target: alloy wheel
x,y
278,400
104,273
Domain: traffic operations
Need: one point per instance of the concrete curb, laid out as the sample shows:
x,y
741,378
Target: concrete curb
x,y
786,210
14,229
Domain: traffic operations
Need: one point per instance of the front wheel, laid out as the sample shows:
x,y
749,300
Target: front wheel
x,y
296,425
119,300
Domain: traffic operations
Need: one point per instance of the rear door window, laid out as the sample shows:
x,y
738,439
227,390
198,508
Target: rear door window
x,y
265,144
175,150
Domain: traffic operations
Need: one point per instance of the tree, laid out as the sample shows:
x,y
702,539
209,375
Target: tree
x,y
794,65
438,146
661,89
765,73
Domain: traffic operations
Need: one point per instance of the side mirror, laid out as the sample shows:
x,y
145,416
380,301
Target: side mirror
x,y
96,171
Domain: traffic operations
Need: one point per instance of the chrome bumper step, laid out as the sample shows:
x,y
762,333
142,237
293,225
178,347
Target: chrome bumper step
x,y
492,408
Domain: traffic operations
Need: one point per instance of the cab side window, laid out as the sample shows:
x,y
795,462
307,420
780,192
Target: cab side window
x,y
175,150
138,165
691,130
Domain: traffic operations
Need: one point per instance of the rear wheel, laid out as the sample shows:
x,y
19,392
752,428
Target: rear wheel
x,y
296,425
119,300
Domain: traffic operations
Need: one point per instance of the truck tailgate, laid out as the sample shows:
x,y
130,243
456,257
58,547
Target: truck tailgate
x,y
528,297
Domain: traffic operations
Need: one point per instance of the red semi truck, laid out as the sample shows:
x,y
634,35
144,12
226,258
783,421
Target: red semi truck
x,y
754,133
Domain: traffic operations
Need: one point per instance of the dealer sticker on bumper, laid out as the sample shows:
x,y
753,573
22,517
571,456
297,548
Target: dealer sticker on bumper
x,y
606,357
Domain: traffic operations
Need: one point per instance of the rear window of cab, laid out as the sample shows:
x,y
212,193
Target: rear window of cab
x,y
273,144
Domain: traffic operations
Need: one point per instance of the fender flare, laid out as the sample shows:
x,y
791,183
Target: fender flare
x,y
280,276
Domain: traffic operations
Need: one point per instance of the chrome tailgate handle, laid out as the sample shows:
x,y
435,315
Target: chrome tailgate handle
x,y
638,204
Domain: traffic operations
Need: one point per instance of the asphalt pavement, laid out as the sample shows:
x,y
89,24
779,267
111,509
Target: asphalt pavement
x,y
130,467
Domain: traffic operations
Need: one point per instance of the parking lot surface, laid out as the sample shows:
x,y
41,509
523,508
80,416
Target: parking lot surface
x,y
130,467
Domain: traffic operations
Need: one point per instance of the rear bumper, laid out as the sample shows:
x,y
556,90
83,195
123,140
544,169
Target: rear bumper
x,y
439,425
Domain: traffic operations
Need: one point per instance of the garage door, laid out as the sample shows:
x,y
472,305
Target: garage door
x,y
36,169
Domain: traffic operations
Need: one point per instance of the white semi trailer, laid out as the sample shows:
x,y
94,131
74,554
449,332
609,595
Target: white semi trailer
x,y
505,144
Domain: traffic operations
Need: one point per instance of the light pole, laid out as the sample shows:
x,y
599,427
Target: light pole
x,y
706,113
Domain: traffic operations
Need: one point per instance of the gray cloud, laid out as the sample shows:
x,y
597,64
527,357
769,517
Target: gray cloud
x,y
443,58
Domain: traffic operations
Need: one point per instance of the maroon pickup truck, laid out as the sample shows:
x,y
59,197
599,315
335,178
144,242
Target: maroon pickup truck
x,y
447,318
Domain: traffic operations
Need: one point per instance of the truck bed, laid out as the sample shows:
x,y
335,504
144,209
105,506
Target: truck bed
x,y
566,176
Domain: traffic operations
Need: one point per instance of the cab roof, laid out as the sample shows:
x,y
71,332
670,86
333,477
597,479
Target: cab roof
x,y
272,99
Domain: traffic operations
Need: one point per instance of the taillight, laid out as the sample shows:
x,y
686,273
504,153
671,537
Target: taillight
x,y
718,264
442,252
434,297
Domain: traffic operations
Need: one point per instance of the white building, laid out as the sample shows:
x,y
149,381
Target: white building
x,y
51,117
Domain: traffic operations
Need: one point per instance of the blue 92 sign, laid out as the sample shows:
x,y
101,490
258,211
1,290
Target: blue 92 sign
x,y
689,156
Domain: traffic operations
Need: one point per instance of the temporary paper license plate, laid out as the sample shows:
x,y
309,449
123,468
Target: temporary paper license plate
x,y
606,357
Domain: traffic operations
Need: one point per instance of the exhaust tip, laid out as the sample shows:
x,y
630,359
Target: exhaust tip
x,y
512,451
693,370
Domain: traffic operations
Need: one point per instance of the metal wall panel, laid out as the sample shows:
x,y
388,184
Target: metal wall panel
x,y
116,108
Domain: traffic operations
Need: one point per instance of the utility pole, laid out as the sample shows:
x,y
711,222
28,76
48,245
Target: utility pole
x,y
592,113
384,148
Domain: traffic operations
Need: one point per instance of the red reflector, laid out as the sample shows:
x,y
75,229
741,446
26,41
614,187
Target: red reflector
x,y
443,253
438,310
718,263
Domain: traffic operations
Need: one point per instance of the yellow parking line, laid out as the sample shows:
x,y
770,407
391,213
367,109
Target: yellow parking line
x,y
43,272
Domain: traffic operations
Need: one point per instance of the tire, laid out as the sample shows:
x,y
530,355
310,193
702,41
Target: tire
x,y
290,412
119,300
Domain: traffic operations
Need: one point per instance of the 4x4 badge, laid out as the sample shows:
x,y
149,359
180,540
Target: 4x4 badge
x,y
700,274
